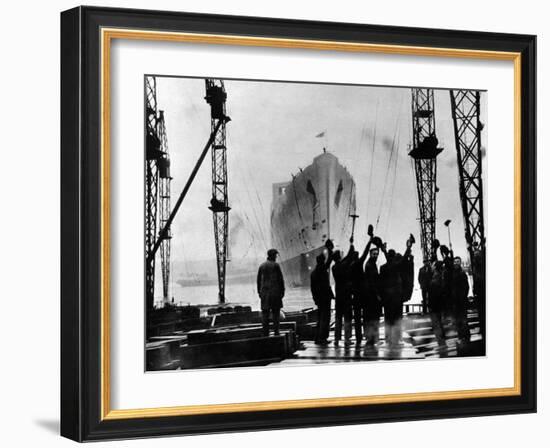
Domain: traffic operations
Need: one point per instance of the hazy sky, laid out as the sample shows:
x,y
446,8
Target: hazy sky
x,y
272,134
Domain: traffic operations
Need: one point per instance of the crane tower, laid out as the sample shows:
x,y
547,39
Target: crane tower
x,y
216,96
424,153
467,128
164,208
152,154
157,194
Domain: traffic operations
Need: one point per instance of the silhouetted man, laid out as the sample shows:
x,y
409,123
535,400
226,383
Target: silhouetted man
x,y
391,281
322,293
436,304
271,289
424,279
478,274
373,305
460,288
359,300
407,273
342,285
448,273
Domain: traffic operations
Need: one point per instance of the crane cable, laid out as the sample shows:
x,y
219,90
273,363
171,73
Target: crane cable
x,y
255,215
259,210
372,161
353,186
396,132
302,240
388,218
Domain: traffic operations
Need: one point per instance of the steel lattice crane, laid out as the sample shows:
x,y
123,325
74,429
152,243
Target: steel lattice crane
x,y
157,167
424,153
465,109
467,127
157,197
216,97
152,154
164,209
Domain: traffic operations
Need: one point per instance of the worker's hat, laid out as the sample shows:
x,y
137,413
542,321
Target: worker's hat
x,y
272,253
377,241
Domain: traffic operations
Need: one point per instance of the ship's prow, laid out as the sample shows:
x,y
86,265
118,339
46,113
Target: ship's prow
x,y
313,206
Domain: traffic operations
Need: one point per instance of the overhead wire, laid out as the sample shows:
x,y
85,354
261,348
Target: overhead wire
x,y
353,189
392,151
388,218
392,163
372,161
255,215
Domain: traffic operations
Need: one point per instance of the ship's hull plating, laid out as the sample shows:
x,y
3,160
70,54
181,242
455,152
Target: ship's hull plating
x,y
313,207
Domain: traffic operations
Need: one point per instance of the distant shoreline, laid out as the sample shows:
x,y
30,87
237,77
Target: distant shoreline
x,y
209,281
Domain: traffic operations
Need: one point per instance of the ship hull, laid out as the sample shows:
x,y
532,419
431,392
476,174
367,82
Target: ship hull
x,y
313,207
296,270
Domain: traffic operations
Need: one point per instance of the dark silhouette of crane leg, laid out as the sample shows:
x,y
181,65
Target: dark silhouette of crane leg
x,y
424,153
216,97
465,108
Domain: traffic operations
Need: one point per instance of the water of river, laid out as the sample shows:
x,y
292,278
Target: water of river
x,y
245,294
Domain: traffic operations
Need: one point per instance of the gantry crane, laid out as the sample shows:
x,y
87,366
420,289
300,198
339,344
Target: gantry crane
x,y
152,155
164,208
157,197
157,167
424,153
465,109
467,128
216,97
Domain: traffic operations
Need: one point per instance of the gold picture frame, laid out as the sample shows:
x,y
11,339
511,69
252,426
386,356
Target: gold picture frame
x,y
110,25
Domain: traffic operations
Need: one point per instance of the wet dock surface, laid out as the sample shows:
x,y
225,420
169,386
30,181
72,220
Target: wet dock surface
x,y
419,342
237,340
315,354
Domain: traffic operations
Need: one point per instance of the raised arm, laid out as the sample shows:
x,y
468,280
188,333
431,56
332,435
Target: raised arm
x,y
434,250
366,251
330,248
408,248
383,249
350,252
466,284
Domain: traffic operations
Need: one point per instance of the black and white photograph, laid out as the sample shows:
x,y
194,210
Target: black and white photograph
x,y
302,223
275,224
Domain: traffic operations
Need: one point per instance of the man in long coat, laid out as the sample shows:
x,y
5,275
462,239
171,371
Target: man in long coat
x,y
392,291
361,290
271,289
322,293
460,289
343,294
371,285
424,280
436,304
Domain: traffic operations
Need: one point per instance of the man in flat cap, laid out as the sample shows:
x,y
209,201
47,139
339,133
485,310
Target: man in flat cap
x,y
271,289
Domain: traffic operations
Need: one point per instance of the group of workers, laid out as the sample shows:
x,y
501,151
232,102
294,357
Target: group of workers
x,y
445,289
363,292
